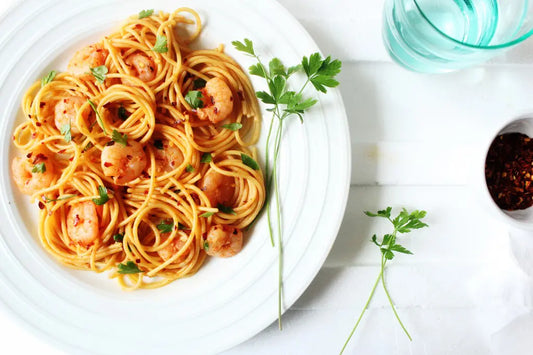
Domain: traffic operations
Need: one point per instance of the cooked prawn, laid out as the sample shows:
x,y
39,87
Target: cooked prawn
x,y
92,56
143,66
65,112
223,241
82,223
123,163
170,250
218,188
168,158
217,101
28,181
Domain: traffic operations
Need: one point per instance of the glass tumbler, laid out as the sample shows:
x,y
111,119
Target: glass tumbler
x,y
435,36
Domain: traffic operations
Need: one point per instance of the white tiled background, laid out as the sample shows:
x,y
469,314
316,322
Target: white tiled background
x,y
417,141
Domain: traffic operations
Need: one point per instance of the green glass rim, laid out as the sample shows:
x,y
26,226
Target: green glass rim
x,y
496,46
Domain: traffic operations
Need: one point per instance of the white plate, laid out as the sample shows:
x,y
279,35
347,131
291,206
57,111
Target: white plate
x,y
227,301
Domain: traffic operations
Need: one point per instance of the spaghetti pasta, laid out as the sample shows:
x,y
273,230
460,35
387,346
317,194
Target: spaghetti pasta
x,y
130,174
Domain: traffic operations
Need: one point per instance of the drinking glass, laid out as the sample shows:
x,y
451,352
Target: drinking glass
x,y
435,36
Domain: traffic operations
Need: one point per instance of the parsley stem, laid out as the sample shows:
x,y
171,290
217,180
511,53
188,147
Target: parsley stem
x,y
277,144
267,153
383,262
268,178
303,87
364,309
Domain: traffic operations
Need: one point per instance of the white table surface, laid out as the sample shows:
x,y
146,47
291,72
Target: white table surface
x,y
417,141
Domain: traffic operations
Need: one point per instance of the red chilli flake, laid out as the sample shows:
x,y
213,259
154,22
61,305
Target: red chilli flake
x,y
42,104
76,220
41,205
39,158
107,164
38,124
509,171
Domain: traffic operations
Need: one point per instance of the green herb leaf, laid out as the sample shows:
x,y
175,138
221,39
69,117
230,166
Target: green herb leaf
x,y
232,126
226,209
129,268
164,227
158,143
258,70
39,168
276,67
330,68
104,197
88,146
320,82
182,227
48,78
98,117
198,83
277,87
294,69
119,237
99,73
189,168
206,245
120,138
122,113
194,99
246,47
374,240
206,158
388,254
160,44
320,72
65,131
388,239
249,161
265,97
207,214
383,213
60,198
400,249
145,13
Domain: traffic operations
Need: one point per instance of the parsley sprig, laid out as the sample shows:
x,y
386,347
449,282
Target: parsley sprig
x,y
128,268
104,197
404,223
66,132
160,44
285,103
119,138
165,227
145,13
39,168
48,78
99,73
